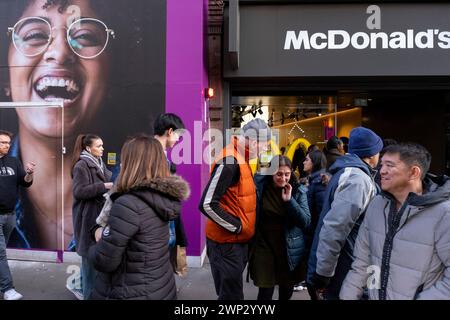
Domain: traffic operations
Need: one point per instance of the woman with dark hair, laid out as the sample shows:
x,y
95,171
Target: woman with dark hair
x,y
314,165
297,161
94,57
278,249
91,179
133,252
53,55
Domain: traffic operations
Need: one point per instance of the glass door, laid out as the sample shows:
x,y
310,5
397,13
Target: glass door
x,y
38,136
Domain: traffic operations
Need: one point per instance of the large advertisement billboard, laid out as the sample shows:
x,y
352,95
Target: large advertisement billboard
x,y
105,59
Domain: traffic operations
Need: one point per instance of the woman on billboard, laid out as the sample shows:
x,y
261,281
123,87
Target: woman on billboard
x,y
61,50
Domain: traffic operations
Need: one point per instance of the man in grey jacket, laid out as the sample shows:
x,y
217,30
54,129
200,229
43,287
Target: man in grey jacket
x,y
403,247
348,193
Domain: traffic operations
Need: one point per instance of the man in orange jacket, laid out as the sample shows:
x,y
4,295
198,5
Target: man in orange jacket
x,y
229,201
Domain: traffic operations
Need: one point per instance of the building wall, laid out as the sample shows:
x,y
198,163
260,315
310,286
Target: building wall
x,y
186,77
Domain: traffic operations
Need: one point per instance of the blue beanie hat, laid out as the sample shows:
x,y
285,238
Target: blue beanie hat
x,y
364,142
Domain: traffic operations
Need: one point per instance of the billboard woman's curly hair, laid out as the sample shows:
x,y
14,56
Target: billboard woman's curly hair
x,y
62,4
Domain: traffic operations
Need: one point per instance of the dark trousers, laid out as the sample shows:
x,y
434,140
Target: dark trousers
x,y
312,292
88,276
284,293
228,261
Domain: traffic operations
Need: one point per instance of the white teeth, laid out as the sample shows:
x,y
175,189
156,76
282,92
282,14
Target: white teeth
x,y
52,99
70,85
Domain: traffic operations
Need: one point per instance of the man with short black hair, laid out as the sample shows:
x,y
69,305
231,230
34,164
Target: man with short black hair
x,y
402,251
12,175
168,128
334,149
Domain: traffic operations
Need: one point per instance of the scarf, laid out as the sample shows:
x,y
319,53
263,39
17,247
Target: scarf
x,y
98,162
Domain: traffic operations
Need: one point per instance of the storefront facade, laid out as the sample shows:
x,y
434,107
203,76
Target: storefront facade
x,y
327,67
310,69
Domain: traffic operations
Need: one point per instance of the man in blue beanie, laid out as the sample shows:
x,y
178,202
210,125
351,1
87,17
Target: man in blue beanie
x,y
348,193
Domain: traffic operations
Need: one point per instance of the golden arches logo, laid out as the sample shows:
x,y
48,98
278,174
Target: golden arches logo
x,y
293,147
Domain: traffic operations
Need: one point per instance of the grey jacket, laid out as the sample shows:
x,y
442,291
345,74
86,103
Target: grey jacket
x,y
346,198
406,254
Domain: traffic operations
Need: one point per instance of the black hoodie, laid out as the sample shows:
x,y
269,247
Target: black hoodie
x,y
12,176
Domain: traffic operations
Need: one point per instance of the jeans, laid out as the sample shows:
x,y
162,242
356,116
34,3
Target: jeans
x,y
88,275
7,225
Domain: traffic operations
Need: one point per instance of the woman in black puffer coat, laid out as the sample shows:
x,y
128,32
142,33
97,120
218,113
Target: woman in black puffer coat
x,y
133,253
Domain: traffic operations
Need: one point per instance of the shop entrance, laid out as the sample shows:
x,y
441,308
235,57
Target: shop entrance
x,y
421,116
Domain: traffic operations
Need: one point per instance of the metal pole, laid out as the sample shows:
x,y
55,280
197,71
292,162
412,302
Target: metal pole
x,y
52,104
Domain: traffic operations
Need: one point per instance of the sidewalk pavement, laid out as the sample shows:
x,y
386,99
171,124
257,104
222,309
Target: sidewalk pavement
x,y
47,281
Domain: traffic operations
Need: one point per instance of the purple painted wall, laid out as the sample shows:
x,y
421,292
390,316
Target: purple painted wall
x,y
186,77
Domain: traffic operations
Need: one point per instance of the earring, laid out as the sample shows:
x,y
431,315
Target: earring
x,y
7,92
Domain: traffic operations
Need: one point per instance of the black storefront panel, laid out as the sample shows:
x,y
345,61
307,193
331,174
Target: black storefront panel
x,y
338,40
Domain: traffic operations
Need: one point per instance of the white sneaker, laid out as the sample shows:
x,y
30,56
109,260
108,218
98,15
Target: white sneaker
x,y
299,288
77,292
12,294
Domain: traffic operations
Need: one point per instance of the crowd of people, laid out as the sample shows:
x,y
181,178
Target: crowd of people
x,y
362,222
361,219
336,227
129,246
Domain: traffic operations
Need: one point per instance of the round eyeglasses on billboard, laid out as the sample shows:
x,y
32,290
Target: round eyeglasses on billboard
x,y
87,37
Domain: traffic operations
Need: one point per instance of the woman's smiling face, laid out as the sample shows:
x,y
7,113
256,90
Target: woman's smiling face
x,y
57,73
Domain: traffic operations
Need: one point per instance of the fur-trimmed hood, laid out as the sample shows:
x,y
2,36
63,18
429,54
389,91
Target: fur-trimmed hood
x,y
174,186
164,195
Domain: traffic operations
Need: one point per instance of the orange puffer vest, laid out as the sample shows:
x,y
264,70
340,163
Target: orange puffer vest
x,y
239,200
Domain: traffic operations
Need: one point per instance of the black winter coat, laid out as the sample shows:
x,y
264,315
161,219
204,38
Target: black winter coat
x,y
332,155
88,188
316,194
133,254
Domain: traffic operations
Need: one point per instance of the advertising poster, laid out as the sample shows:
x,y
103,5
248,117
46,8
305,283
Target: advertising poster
x,y
105,59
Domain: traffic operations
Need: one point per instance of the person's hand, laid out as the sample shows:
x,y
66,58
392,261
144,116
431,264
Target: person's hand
x,y
108,185
98,234
325,178
320,294
286,193
303,181
319,282
29,168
